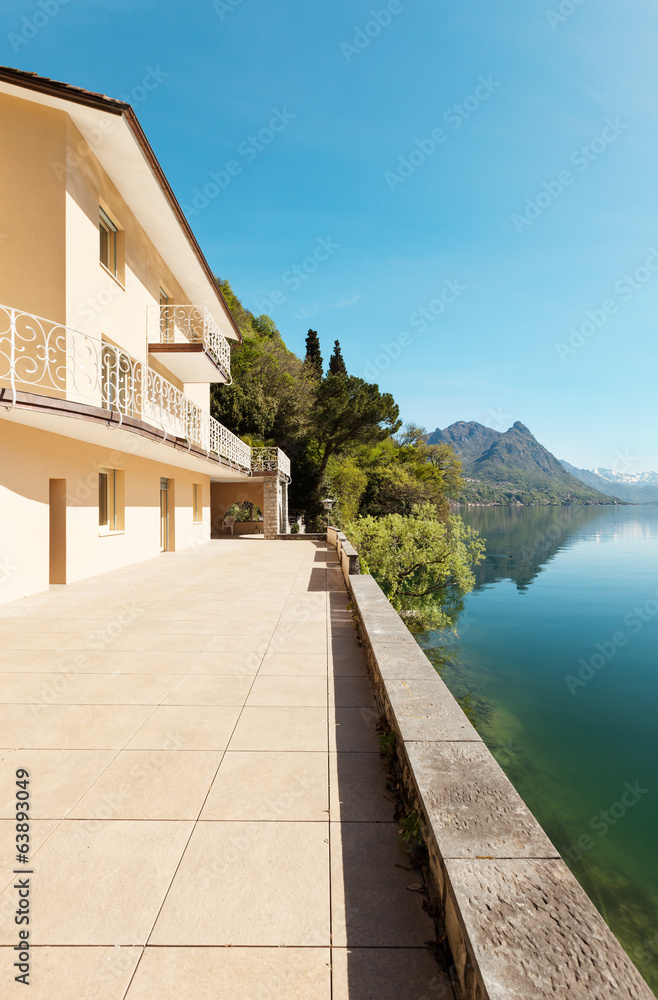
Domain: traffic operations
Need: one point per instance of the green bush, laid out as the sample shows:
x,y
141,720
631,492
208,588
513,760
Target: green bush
x,y
423,564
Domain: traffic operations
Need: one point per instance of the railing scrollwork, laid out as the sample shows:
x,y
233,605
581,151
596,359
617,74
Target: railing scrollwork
x,y
181,324
40,356
270,460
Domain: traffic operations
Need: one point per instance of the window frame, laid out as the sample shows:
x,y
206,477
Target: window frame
x,y
111,506
197,503
166,321
103,500
109,227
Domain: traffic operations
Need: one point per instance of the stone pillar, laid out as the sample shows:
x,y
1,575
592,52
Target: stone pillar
x,y
271,506
284,525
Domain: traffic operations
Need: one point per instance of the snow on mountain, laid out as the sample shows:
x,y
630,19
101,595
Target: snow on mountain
x,y
633,478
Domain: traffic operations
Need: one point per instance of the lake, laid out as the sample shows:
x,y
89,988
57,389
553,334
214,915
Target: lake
x,y
556,662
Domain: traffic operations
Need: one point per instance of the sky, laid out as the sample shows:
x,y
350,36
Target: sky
x,y
464,194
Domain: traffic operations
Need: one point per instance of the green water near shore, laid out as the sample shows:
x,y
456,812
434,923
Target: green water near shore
x,y
556,660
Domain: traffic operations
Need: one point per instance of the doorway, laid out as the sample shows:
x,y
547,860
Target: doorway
x,y
57,531
164,515
167,515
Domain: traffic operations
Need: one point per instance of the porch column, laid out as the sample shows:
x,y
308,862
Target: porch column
x,y
271,506
284,527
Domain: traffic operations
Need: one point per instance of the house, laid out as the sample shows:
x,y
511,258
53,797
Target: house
x,y
112,329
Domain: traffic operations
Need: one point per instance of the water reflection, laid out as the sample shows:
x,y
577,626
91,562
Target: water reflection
x,y
522,540
570,755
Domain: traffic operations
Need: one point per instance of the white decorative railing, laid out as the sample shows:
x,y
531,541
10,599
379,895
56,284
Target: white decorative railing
x,y
40,356
270,460
188,324
227,444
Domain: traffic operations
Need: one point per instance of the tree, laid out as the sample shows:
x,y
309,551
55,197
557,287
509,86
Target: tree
x,y
396,488
404,471
345,482
265,326
244,320
411,436
349,411
313,361
424,565
337,430
270,396
346,412
337,365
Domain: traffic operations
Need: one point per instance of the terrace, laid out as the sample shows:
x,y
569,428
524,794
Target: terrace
x,y
210,806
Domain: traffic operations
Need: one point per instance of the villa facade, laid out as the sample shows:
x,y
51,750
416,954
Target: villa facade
x,y
112,329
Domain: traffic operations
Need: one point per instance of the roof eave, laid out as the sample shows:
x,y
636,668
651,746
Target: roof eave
x,y
109,105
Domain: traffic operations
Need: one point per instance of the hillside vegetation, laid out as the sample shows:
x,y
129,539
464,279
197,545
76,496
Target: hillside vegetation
x,y
342,434
345,441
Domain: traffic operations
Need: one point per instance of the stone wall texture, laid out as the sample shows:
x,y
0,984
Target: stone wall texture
x,y
271,513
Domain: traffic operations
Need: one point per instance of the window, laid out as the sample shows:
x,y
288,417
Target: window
x,y
107,500
198,502
108,243
166,326
110,500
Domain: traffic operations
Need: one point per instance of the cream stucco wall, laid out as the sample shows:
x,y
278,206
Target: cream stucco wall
x,y
32,220
31,458
51,186
199,392
96,302
23,544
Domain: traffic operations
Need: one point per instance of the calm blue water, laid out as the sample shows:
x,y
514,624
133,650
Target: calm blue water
x,y
556,661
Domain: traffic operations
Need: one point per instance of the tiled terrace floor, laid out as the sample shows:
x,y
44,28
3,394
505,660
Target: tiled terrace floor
x,y
209,812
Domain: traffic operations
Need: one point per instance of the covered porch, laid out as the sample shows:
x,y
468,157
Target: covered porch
x,y
266,489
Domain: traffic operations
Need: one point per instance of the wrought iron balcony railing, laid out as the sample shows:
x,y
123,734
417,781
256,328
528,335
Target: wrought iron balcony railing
x,y
46,358
270,460
188,324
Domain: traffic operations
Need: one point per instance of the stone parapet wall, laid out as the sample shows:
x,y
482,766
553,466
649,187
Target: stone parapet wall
x,y
347,554
517,922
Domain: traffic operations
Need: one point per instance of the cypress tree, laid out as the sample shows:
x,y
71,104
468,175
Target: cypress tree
x,y
337,365
313,361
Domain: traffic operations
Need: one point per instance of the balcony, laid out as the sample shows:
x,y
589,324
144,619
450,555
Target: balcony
x,y
270,460
44,358
187,341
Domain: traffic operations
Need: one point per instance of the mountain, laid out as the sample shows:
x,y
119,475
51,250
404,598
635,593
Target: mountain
x,y
639,487
512,468
634,478
469,440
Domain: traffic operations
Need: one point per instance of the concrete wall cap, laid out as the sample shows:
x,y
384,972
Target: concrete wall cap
x,y
535,934
427,713
474,809
401,661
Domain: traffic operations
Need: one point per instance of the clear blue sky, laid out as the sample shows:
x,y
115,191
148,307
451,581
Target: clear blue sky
x,y
532,88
